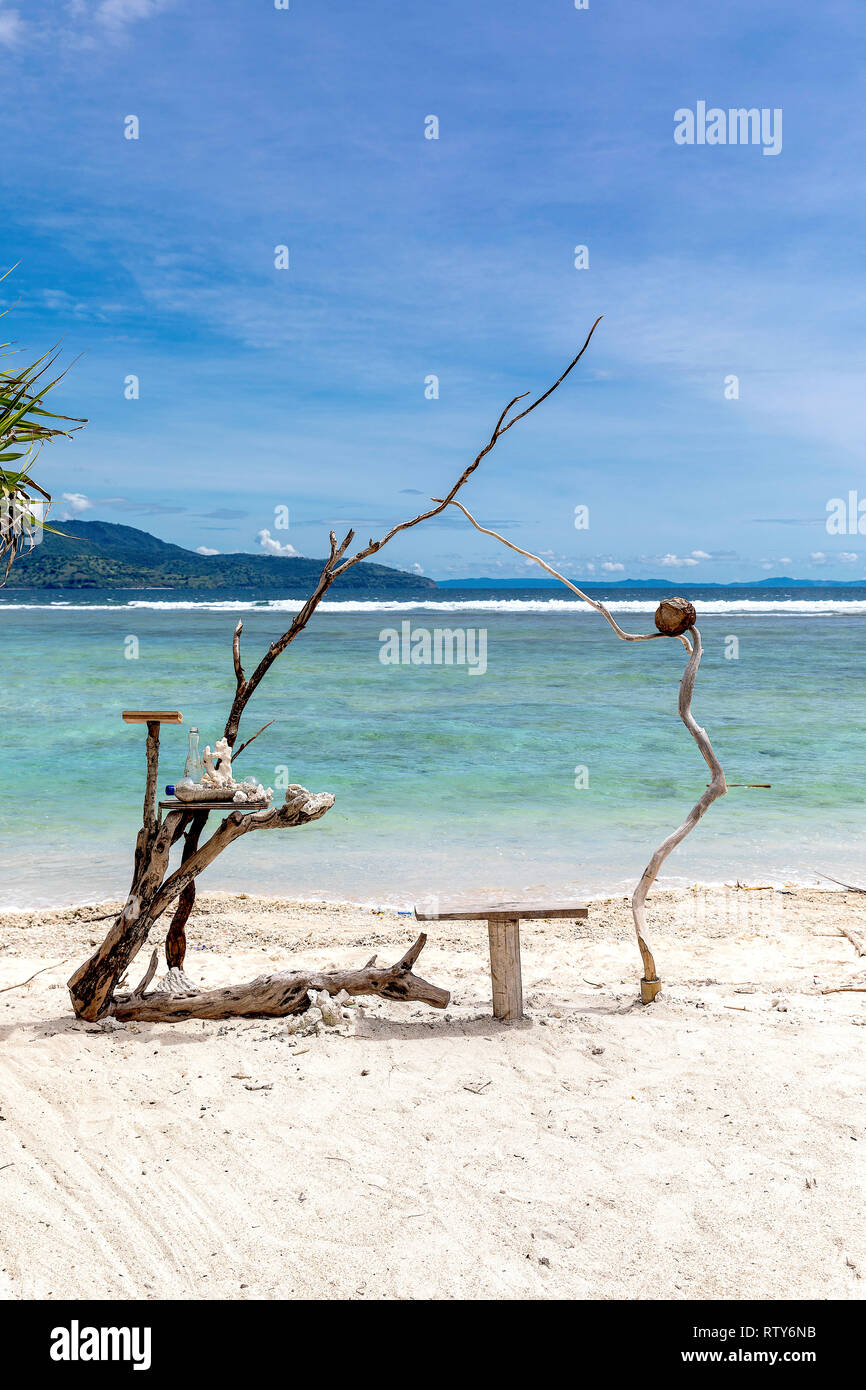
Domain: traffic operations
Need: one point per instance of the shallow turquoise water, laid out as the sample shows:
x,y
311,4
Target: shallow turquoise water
x,y
444,780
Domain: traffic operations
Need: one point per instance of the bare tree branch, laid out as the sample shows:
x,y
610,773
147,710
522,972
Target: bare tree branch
x,y
593,603
236,652
237,752
499,431
335,565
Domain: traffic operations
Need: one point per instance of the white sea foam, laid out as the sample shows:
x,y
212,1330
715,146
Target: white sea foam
x,y
792,607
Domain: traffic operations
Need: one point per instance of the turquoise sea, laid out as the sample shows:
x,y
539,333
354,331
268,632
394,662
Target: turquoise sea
x,y
445,780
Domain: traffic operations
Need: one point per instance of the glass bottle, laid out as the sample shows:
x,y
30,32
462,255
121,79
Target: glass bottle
x,y
193,768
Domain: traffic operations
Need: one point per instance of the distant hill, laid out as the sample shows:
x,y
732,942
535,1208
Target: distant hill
x,y
104,555
684,583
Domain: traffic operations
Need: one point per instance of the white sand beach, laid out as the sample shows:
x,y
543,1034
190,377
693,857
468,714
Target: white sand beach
x,y
712,1145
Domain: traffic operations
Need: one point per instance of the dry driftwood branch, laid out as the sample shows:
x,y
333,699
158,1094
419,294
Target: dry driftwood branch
x,y
300,808
336,564
273,996
175,941
857,941
237,751
670,617
593,603
716,789
92,984
91,987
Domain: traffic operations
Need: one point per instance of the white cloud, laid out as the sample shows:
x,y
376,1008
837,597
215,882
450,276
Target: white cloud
x,y
90,21
205,550
848,557
417,569
11,28
114,14
273,546
785,560
611,565
818,557
77,503
701,555
676,562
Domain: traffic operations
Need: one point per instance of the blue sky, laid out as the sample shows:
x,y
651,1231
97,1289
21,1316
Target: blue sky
x,y
305,388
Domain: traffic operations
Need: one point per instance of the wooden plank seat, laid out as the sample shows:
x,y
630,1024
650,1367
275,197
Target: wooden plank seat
x,y
503,917
152,716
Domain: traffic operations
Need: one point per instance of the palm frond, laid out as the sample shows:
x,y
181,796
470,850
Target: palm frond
x,y
25,426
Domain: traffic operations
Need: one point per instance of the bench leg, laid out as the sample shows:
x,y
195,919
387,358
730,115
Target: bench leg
x,y
504,936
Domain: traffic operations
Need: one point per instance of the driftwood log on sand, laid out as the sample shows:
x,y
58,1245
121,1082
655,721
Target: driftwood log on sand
x,y
273,996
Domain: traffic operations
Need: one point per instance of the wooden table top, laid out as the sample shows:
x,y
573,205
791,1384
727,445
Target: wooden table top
x,y
476,909
175,805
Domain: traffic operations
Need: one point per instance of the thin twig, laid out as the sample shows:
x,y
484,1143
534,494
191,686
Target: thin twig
x,y
237,751
6,988
852,887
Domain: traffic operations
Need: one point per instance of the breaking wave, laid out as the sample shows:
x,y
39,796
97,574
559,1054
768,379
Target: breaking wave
x,y
794,607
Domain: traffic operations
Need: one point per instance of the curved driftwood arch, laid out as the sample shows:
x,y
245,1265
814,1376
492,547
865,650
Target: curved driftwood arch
x,y
674,618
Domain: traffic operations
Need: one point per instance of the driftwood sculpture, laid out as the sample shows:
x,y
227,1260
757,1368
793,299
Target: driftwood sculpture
x,y
93,987
674,617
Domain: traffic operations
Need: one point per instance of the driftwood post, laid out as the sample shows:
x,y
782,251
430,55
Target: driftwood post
x,y
153,889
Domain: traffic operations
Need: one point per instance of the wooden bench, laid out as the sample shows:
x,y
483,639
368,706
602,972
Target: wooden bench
x,y
503,917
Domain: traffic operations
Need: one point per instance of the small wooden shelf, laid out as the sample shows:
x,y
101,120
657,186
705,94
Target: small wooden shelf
x,y
152,716
243,807
175,804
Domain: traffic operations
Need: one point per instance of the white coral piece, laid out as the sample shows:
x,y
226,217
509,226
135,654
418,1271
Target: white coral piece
x,y
331,1014
218,776
324,1013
